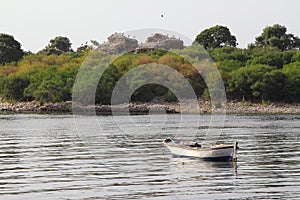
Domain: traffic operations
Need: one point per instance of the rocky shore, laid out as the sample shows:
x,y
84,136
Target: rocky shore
x,y
145,108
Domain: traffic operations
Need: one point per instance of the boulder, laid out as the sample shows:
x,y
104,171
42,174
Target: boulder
x,y
161,41
118,43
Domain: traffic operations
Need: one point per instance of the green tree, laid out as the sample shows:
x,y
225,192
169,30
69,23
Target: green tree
x,y
272,57
47,85
12,87
230,53
58,45
272,86
106,84
146,93
276,36
214,37
257,82
296,57
292,85
10,49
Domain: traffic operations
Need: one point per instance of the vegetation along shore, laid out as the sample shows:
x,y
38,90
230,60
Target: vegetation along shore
x,y
267,71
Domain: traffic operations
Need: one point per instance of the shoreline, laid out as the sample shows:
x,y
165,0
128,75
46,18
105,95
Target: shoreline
x,y
232,107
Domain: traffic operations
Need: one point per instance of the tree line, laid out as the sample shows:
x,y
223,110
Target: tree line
x,y
268,70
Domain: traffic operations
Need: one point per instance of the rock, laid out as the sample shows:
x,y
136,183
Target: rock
x,y
162,42
144,108
118,43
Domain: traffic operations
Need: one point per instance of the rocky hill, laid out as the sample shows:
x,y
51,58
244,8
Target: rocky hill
x,y
119,43
162,42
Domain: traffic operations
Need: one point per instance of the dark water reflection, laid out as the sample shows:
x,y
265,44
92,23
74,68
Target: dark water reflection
x,y
43,157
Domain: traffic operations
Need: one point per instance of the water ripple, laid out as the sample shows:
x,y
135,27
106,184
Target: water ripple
x,y
43,157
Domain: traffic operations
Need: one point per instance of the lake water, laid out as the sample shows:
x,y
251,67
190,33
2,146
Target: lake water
x,y
48,157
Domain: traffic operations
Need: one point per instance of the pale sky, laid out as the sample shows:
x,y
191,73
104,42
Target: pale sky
x,y
34,22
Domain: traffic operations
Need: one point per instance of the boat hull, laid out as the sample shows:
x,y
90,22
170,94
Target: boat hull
x,y
214,153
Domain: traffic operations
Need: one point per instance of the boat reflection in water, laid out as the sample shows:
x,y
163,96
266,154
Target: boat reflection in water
x,y
201,169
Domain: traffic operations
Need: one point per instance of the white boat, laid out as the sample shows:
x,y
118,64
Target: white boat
x,y
221,152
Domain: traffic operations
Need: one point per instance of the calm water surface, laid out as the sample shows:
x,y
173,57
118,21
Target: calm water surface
x,y
47,157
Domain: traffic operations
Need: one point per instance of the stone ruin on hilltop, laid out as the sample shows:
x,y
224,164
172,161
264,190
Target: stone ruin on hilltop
x,y
161,41
119,43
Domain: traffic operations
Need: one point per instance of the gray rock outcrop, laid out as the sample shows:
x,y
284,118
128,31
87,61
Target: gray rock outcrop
x,y
118,43
161,41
